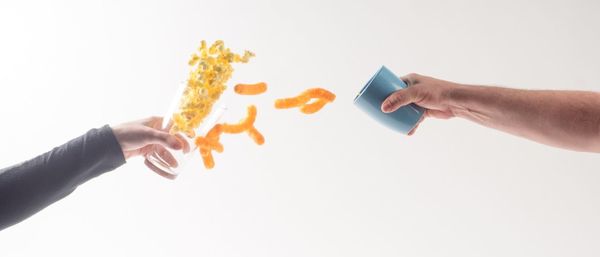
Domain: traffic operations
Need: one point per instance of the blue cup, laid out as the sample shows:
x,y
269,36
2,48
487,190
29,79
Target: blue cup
x,y
381,85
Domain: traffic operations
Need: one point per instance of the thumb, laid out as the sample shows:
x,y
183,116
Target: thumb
x,y
165,139
397,99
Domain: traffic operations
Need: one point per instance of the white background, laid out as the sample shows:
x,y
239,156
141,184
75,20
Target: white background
x,y
331,184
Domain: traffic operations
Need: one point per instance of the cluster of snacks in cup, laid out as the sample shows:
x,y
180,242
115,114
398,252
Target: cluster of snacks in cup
x,y
210,69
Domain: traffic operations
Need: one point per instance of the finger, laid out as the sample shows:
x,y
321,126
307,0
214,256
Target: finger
x,y
154,122
412,131
166,156
397,99
163,138
186,145
159,171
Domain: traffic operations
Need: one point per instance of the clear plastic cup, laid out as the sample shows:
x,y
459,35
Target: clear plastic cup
x,y
181,156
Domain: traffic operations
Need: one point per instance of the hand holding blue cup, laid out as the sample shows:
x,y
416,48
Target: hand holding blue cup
x,y
381,85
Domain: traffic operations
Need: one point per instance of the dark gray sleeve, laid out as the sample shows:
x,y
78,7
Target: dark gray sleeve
x,y
28,187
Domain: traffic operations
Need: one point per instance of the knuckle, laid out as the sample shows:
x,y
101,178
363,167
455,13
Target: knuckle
x,y
393,99
154,120
412,78
398,95
416,93
159,135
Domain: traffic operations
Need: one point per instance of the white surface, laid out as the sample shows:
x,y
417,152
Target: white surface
x,y
332,184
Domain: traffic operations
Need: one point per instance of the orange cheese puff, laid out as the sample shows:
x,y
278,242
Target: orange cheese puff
x,y
242,125
285,103
320,93
250,89
207,158
313,107
209,144
258,138
215,132
204,152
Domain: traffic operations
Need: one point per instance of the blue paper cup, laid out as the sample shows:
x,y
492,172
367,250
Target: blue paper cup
x,y
381,85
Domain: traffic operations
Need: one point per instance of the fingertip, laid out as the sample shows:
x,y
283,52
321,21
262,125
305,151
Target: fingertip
x,y
388,106
167,140
175,143
412,132
385,106
184,143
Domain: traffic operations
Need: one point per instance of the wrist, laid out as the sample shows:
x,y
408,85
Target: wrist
x,y
118,133
456,98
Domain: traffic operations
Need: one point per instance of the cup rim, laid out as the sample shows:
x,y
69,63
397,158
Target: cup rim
x,y
362,91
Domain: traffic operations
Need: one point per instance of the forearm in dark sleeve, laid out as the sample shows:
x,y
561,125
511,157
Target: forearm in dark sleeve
x,y
28,187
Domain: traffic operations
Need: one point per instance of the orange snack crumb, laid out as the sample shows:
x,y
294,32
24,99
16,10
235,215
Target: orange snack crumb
x,y
320,93
258,138
285,103
321,96
215,132
246,125
242,125
313,107
250,89
209,144
207,158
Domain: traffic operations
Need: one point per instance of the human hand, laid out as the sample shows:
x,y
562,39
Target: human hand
x,y
144,137
429,93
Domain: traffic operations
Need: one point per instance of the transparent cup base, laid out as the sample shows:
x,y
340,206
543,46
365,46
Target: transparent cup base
x,y
159,163
155,159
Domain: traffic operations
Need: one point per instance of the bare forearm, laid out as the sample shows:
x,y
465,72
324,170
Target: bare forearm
x,y
566,119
